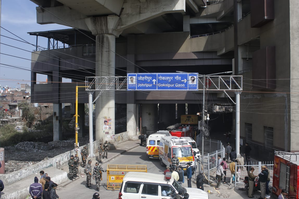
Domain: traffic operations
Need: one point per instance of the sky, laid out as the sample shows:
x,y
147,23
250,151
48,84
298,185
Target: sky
x,y
19,17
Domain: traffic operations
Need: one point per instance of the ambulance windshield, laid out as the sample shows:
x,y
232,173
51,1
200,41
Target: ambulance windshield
x,y
182,152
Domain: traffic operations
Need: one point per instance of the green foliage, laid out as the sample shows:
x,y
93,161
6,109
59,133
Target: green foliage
x,y
9,136
27,113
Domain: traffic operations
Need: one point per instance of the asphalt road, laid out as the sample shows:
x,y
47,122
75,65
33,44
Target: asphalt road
x,y
77,189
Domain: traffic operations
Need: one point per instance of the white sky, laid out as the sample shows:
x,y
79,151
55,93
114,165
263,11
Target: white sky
x,y
19,17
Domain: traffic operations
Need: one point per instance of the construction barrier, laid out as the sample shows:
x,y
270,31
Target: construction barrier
x,y
116,173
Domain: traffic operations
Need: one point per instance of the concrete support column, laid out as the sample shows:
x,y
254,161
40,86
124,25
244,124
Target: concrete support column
x,y
105,30
57,122
105,105
149,117
186,23
81,122
131,106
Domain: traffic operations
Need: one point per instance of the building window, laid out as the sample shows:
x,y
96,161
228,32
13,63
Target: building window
x,y
248,132
268,132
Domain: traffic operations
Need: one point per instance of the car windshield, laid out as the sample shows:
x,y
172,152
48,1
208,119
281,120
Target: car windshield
x,y
180,152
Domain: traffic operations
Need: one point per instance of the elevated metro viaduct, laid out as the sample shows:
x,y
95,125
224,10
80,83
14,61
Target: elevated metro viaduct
x,y
119,36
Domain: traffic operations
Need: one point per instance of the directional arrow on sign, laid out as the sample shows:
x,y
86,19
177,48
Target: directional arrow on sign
x,y
154,81
184,80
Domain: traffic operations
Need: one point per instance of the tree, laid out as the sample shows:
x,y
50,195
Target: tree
x,y
27,113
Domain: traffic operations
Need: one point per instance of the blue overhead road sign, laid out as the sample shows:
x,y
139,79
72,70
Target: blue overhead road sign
x,y
162,81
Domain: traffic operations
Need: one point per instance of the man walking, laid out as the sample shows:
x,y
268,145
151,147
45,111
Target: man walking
x,y
1,187
219,174
263,179
251,178
232,171
88,171
84,154
36,189
189,174
224,169
228,150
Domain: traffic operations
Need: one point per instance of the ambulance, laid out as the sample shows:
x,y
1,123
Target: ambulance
x,y
171,145
152,143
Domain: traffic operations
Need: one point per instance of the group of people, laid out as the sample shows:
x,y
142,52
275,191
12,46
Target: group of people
x,y
264,179
96,172
177,171
44,188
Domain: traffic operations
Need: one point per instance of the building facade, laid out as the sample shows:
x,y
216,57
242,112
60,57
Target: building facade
x,y
128,36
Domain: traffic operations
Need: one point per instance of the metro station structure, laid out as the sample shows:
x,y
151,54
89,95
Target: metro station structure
x,y
254,38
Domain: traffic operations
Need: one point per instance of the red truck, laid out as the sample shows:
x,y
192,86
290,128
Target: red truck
x,y
286,173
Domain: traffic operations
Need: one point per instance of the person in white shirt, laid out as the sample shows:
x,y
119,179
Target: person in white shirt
x,y
219,174
175,175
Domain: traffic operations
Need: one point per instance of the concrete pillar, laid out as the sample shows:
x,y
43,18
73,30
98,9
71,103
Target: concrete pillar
x,y
57,122
149,117
104,29
81,122
131,106
166,115
186,23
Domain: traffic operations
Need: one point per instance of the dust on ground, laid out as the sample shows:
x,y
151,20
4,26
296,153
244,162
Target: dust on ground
x,y
25,154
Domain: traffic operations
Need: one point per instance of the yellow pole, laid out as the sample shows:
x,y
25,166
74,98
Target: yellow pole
x,y
76,115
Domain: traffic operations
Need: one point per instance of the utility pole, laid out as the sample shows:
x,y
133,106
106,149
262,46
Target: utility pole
x,y
203,117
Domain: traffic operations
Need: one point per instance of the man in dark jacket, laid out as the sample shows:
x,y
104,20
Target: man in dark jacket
x,y
36,189
199,181
189,174
181,175
263,176
233,155
247,153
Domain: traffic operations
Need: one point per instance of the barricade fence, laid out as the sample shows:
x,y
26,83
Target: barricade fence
x,y
208,164
242,171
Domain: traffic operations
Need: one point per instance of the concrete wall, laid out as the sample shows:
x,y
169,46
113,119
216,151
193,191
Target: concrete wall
x,y
269,108
56,161
294,73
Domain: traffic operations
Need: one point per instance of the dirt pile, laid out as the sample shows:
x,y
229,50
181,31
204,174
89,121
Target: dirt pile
x,y
25,154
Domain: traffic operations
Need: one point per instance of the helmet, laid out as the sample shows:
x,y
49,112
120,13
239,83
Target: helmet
x,y
96,195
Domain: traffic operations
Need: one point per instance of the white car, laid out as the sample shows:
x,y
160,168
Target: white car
x,y
139,185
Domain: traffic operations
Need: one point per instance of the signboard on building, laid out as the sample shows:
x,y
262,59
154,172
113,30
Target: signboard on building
x,y
162,81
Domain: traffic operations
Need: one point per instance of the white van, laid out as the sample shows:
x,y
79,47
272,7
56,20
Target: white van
x,y
152,143
194,146
170,145
139,185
